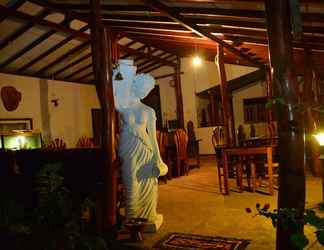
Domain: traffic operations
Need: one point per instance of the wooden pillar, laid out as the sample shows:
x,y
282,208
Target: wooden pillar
x,y
212,107
291,175
269,92
101,44
229,137
178,92
232,125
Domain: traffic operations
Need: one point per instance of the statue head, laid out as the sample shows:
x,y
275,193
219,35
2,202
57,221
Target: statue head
x,y
142,85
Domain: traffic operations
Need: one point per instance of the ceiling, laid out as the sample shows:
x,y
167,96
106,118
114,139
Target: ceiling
x,y
50,39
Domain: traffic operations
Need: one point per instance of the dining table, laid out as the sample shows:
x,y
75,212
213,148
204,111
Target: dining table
x,y
242,152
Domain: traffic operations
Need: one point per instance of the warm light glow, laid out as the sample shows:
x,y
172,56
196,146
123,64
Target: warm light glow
x,y
320,138
196,61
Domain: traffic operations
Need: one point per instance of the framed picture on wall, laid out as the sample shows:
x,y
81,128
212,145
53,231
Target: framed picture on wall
x,y
16,124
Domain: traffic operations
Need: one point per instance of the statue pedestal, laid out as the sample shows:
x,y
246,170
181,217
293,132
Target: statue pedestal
x,y
153,226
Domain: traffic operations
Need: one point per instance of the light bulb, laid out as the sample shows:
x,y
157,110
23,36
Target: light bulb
x,y
196,61
320,138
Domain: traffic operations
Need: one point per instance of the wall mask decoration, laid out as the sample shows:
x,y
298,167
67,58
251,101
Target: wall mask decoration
x,y
55,102
11,98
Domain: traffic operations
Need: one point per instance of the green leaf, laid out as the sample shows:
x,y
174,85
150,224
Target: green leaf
x,y
280,100
269,104
299,240
320,236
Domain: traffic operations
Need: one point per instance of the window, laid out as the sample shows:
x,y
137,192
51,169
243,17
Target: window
x,y
209,109
255,110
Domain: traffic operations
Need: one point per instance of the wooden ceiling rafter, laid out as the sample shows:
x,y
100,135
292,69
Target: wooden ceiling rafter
x,y
29,47
44,23
82,78
157,5
6,41
156,66
160,33
144,54
144,68
62,10
185,11
138,58
70,65
149,60
82,69
15,5
50,51
72,52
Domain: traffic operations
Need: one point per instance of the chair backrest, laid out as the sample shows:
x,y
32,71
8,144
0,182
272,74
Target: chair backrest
x,y
217,147
181,142
162,140
56,144
85,142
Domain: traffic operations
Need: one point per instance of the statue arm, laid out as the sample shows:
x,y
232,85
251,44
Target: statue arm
x,y
151,127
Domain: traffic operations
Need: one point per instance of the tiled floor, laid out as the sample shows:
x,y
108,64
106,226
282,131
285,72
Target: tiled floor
x,y
193,204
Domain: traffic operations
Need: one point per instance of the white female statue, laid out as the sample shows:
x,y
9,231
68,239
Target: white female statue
x,y
138,148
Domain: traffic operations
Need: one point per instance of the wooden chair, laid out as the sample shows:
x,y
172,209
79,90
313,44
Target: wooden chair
x,y
193,157
85,142
219,161
56,144
181,142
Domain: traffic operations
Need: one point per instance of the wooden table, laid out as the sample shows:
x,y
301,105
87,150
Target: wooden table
x,y
248,151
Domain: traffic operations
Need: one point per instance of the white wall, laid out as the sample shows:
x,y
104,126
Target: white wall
x,y
70,120
196,80
167,93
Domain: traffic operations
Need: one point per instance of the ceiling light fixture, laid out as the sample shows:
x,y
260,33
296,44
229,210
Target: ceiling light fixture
x,y
196,61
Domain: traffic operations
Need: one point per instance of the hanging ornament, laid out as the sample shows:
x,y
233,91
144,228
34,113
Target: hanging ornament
x,y
119,76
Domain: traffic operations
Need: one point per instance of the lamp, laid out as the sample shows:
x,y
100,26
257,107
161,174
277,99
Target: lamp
x,y
196,61
319,136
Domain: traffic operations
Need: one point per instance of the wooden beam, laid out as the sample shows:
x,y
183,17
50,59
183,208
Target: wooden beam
x,y
50,50
178,93
168,26
44,23
82,78
71,52
29,47
101,43
66,67
148,59
144,68
21,30
155,66
290,130
12,5
136,18
56,8
140,53
198,30
229,140
89,65
104,7
212,97
134,30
